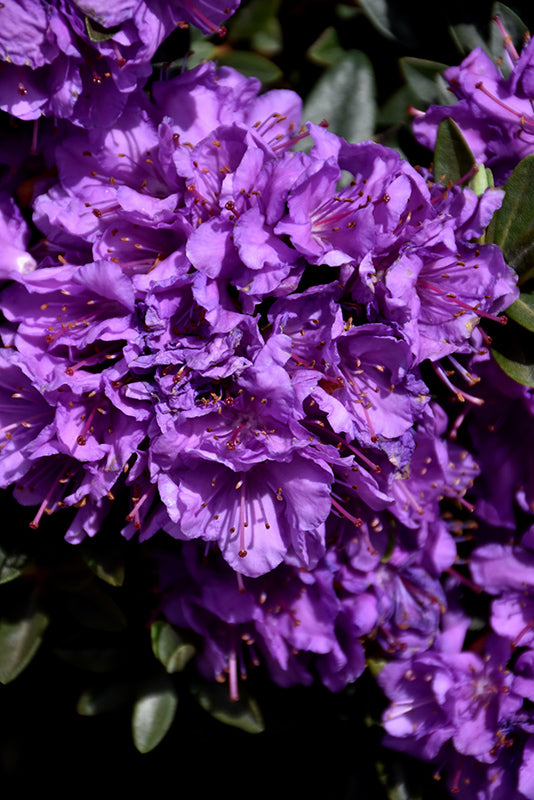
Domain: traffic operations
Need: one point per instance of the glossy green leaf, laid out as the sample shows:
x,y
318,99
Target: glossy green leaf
x,y
482,180
395,781
393,20
169,647
105,560
466,37
202,49
268,41
250,64
394,111
344,96
97,33
514,220
153,712
453,158
252,18
21,637
375,665
522,311
243,713
103,699
520,372
12,563
326,50
520,256
513,351
424,78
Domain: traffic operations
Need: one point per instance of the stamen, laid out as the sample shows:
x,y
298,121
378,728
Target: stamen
x,y
44,507
524,122
426,285
204,21
367,461
466,581
133,516
507,40
460,394
521,633
87,427
356,521
242,521
468,175
232,675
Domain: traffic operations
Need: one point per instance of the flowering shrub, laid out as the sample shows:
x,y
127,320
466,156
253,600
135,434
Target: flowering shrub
x,y
289,370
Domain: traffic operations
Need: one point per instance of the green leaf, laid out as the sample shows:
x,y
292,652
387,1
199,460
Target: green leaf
x,y
519,371
249,64
105,560
424,78
466,36
97,33
268,41
153,712
520,256
522,311
396,782
101,700
514,220
326,50
394,112
12,564
453,158
482,180
21,637
201,50
376,665
388,19
513,350
252,18
169,647
243,713
344,96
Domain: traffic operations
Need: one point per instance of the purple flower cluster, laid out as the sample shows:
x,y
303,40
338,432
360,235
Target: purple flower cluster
x,y
232,333
465,704
493,106
256,350
469,711
80,60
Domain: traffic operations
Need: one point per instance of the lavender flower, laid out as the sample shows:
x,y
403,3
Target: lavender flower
x,y
466,714
290,620
493,110
80,60
219,331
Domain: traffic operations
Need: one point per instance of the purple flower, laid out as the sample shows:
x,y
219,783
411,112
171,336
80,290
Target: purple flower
x,y
26,417
289,620
499,427
459,699
336,226
494,112
80,61
237,467
92,326
14,238
231,340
